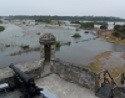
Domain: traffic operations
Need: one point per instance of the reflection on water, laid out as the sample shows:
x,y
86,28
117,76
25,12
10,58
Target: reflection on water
x,y
81,51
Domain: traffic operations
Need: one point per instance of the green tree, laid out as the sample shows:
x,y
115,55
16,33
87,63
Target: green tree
x,y
103,27
87,25
2,28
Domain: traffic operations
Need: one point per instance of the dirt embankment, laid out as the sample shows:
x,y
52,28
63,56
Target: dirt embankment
x,y
107,35
95,66
114,62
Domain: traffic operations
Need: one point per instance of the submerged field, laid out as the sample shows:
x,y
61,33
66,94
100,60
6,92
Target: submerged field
x,y
81,51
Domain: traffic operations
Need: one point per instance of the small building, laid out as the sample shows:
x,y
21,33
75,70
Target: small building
x,y
47,42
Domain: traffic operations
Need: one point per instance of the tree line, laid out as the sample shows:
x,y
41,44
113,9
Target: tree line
x,y
69,18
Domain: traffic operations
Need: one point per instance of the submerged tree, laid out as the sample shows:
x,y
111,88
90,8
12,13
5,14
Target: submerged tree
x,y
87,25
103,27
2,28
76,35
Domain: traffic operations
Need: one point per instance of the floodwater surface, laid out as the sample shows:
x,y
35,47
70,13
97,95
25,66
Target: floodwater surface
x,y
81,51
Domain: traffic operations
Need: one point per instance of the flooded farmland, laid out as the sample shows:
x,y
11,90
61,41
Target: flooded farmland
x,y
81,50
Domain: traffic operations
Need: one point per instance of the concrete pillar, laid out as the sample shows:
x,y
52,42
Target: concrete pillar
x,y
47,51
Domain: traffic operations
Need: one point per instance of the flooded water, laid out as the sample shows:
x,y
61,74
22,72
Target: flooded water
x,y
14,37
111,24
81,51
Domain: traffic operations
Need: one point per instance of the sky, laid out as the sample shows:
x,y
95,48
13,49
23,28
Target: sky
x,y
63,7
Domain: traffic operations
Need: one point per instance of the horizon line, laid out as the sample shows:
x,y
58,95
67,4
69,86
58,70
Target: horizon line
x,y
65,16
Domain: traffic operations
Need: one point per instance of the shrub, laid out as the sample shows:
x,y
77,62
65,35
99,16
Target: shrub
x,y
75,22
116,34
44,20
103,27
24,47
38,33
101,23
76,35
117,27
87,25
7,45
58,44
2,28
119,31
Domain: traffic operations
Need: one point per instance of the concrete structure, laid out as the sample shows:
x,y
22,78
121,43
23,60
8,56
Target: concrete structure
x,y
47,50
65,70
74,74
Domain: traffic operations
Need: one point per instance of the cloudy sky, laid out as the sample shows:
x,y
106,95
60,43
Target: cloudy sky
x,y
63,7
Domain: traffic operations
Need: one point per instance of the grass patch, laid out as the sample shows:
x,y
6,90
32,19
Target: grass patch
x,y
24,47
86,25
58,44
7,45
2,28
76,35
38,33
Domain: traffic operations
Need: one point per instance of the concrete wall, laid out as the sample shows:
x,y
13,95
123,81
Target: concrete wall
x,y
74,74
65,70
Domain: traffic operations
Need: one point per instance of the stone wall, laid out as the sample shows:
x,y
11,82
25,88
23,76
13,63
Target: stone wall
x,y
65,70
74,74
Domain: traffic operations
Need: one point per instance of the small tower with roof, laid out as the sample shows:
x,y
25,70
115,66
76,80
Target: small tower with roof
x,y
47,48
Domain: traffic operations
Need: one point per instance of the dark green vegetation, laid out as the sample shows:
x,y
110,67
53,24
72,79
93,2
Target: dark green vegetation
x,y
2,28
75,22
103,27
38,33
58,44
119,31
24,47
76,35
94,22
43,20
7,45
86,31
70,18
101,23
87,25
90,25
